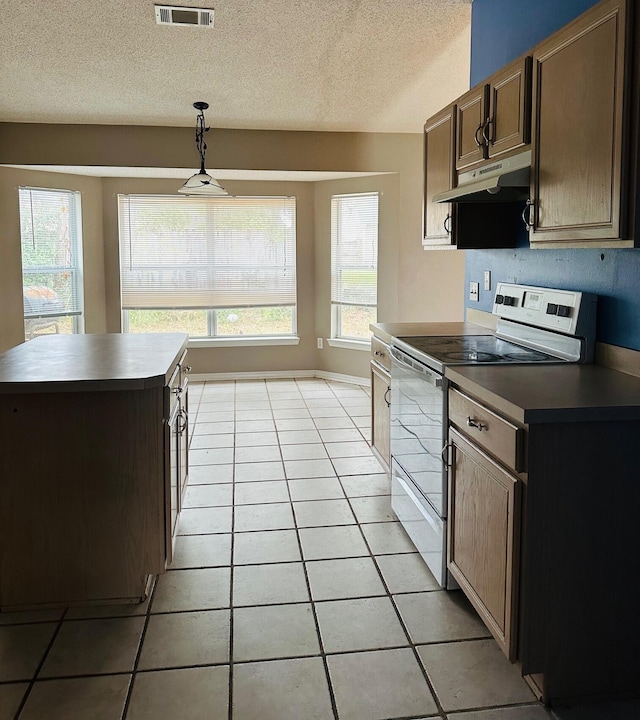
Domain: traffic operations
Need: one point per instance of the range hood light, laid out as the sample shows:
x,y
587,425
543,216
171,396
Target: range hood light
x,y
502,181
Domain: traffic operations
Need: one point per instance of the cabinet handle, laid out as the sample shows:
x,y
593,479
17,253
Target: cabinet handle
x,y
527,214
379,353
386,396
444,454
183,415
475,424
187,368
485,134
447,227
475,137
178,390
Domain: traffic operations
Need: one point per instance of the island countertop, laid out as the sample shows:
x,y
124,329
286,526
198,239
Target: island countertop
x,y
64,363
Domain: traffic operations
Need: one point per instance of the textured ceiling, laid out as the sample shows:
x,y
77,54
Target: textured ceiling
x,y
338,65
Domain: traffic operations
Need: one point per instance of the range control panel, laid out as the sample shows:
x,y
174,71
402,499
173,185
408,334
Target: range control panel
x,y
565,311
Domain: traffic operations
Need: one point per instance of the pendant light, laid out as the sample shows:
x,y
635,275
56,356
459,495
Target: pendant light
x,y
201,183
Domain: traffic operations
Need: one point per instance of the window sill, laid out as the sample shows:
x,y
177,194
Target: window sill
x,y
241,342
350,344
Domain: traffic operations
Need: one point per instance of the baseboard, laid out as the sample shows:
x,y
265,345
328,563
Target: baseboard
x,y
280,375
339,377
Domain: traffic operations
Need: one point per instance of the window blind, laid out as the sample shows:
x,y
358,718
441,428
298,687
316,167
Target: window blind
x,y
354,249
190,252
51,258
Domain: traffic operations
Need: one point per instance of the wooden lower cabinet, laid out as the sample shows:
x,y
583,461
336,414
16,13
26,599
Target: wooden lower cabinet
x,y
90,494
548,554
380,415
484,527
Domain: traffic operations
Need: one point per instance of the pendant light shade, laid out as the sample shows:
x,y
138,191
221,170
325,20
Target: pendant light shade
x,y
201,183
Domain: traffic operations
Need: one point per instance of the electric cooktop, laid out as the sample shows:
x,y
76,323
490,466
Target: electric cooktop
x,y
475,349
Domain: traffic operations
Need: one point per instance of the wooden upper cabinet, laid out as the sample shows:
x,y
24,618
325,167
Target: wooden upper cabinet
x,y
472,112
494,118
508,124
439,176
578,169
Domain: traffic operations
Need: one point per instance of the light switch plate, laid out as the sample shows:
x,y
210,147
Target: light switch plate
x,y
474,291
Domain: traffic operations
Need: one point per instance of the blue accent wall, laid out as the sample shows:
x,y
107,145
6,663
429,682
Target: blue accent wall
x,y
502,30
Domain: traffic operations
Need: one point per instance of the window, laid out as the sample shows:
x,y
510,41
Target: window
x,y
51,242
354,264
210,267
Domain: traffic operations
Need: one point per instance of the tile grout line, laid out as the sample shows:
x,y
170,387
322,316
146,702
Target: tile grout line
x,y
143,634
325,663
399,617
232,564
33,680
436,700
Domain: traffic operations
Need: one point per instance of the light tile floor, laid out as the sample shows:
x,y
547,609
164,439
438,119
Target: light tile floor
x,y
294,594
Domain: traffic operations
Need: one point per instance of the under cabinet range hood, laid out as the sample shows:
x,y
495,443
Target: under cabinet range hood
x,y
501,181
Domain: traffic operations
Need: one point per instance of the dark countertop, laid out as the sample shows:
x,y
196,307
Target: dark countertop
x,y
387,331
552,393
74,363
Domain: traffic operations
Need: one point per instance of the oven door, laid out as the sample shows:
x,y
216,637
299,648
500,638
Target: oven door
x,y
418,427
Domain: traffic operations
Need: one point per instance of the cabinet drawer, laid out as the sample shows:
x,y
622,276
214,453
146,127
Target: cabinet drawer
x,y
380,353
490,431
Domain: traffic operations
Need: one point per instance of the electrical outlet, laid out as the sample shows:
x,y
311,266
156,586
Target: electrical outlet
x,y
474,291
487,279
319,343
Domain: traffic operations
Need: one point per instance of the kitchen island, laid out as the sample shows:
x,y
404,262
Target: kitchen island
x,y
88,491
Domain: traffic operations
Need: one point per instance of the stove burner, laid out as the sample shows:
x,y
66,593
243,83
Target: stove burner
x,y
470,356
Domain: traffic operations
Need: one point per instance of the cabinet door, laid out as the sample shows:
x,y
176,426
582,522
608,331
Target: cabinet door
x,y
183,463
439,176
509,124
483,537
381,418
172,483
472,113
578,124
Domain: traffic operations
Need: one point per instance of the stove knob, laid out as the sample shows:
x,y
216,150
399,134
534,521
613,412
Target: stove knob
x,y
508,300
499,299
564,311
552,309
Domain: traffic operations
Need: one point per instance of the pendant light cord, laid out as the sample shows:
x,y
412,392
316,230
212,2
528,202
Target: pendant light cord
x,y
201,145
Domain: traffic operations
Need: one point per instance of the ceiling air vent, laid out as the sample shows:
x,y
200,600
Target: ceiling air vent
x,y
175,15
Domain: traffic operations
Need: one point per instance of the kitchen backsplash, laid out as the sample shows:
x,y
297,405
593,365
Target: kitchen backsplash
x,y
501,30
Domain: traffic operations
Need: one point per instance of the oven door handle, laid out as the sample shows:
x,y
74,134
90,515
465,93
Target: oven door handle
x,y
429,376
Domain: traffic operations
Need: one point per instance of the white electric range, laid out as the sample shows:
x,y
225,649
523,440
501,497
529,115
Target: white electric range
x,y
535,325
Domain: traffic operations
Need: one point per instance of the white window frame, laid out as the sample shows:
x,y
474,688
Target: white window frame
x,y
76,240
337,339
212,339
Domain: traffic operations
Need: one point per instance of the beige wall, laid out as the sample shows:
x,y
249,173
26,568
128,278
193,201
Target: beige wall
x,y
413,284
11,317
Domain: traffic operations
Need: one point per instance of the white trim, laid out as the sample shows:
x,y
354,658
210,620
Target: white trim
x,y
350,344
280,374
241,341
339,377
